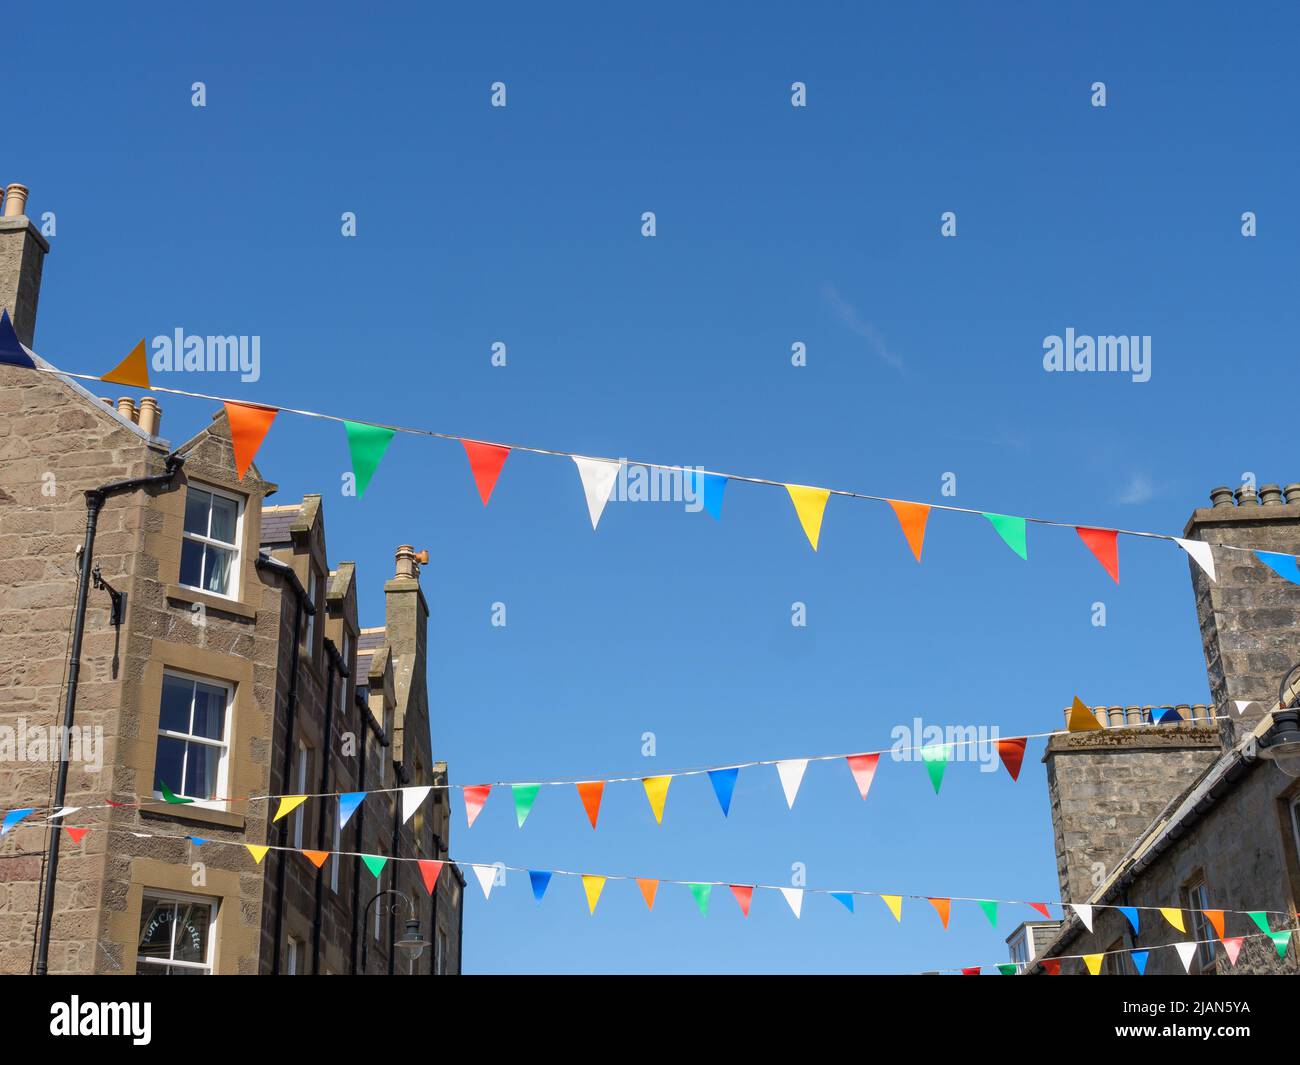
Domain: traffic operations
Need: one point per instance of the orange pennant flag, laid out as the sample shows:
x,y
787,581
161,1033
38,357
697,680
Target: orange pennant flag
x,y
942,907
591,793
248,428
649,888
912,517
1081,718
1215,917
78,834
133,370
317,858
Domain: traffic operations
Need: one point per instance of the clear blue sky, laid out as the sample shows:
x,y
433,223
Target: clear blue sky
x,y
775,225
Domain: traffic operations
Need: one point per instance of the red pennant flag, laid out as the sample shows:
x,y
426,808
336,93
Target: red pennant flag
x,y
1012,753
943,907
77,834
248,428
1041,907
864,770
475,796
1232,947
912,517
430,870
1051,966
974,970
744,895
1104,544
317,858
590,793
485,462
118,805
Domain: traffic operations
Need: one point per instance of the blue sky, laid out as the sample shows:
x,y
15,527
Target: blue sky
x,y
775,225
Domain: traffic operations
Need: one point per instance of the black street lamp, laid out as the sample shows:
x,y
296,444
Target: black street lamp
x,y
412,942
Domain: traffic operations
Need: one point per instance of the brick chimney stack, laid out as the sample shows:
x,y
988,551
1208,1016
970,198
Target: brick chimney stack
x,y
22,259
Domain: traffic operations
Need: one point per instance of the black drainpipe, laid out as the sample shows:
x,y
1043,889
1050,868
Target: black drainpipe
x,y
360,818
392,913
95,498
326,756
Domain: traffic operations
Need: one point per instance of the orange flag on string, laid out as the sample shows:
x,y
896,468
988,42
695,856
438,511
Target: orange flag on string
x,y
317,858
248,428
1081,718
133,370
1215,917
485,462
1104,544
649,888
942,907
78,834
912,517
1012,753
591,793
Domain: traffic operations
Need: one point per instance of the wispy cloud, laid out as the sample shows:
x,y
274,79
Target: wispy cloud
x,y
1138,490
848,314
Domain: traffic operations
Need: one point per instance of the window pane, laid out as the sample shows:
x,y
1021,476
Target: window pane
x,y
191,931
170,763
174,715
217,562
224,513
209,711
191,564
201,763
197,504
156,917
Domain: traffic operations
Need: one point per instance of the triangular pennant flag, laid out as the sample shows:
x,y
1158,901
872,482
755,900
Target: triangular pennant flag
x,y
366,444
593,886
1104,544
943,907
198,841
525,795
1173,916
649,889
1215,917
375,863
348,803
1140,960
1261,920
1081,718
64,811
990,909
475,796
1012,753
133,370
486,875
590,792
1012,531
1041,907
656,791
844,898
1093,962
317,858
1201,554
1051,966
1008,968
724,786
248,428
973,970
791,773
288,803
429,872
598,477
1186,952
701,893
1084,912
1282,565
411,799
1170,717
11,349
175,800
895,904
1241,705
1131,913
76,834
258,851
1232,947
912,518
744,895
485,462
540,880
810,505
1281,940
863,767
794,896
714,486
936,761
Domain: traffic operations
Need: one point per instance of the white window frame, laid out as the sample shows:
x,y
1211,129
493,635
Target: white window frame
x,y
232,589
301,766
440,952
204,967
223,764
292,951
1196,898
344,684
313,594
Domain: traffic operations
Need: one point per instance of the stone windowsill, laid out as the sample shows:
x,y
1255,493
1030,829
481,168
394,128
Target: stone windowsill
x,y
193,812
211,602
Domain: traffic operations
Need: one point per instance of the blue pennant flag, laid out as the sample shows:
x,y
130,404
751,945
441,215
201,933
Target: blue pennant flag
x,y
845,897
1140,961
11,350
710,492
198,841
1282,565
12,818
724,784
541,880
1170,717
348,803
1132,915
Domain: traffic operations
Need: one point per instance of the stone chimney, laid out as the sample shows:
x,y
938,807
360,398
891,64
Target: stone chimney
x,y
406,624
22,258
1249,616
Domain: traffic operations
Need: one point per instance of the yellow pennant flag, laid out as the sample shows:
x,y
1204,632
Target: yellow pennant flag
x,y
895,904
257,851
1081,718
656,790
810,505
133,370
1093,962
1174,917
288,803
593,885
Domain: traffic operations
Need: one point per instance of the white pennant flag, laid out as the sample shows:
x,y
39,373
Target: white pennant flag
x,y
598,477
1201,553
1085,914
65,811
487,876
791,773
794,896
1186,951
411,799
1241,705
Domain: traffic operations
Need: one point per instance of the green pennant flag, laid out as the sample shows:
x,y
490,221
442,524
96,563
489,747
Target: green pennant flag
x,y
1007,968
176,800
936,761
1261,919
525,796
1012,531
702,893
374,863
990,911
367,444
1281,940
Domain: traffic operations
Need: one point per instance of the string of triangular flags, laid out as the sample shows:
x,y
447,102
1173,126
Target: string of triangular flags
x,y
863,766
368,442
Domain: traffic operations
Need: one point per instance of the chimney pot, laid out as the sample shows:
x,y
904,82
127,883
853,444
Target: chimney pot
x,y
1292,493
1221,496
1270,495
15,201
126,408
149,415
1246,496
408,562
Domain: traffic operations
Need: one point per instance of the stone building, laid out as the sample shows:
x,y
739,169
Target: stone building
x,y
1200,814
239,669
